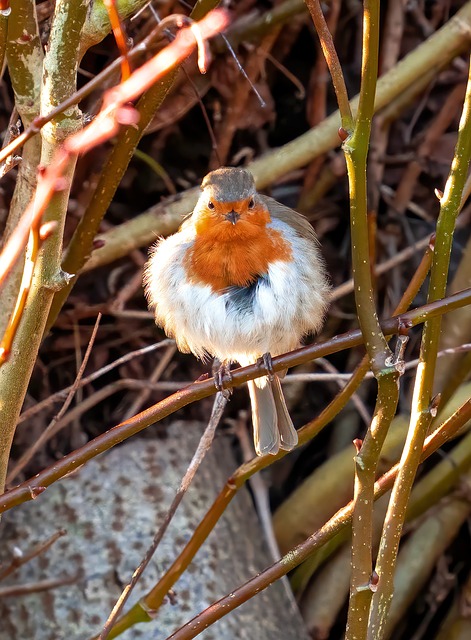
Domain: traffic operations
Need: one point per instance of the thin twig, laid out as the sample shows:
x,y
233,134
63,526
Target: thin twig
x,y
62,394
22,558
236,105
49,431
119,36
155,376
36,587
203,447
15,318
333,62
356,400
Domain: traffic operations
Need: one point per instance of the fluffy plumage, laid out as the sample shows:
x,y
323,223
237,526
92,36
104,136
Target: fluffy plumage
x,y
242,277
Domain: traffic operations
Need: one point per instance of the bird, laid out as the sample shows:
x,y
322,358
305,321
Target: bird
x,y
242,279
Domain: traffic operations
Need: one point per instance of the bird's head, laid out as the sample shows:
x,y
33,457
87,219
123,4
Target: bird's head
x,y
229,206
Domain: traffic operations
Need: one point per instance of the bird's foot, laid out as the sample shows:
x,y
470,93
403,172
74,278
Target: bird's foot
x,y
222,376
266,362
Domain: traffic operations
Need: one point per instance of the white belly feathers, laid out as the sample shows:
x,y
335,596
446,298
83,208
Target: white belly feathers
x,y
239,323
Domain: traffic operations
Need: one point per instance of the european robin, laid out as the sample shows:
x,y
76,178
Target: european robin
x,y
243,278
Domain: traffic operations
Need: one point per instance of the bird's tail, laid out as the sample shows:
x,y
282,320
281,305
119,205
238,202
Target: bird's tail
x,y
272,425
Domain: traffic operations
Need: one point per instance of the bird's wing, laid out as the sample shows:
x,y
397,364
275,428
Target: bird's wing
x,y
296,220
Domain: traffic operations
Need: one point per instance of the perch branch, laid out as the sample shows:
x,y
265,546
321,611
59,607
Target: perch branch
x,y
32,487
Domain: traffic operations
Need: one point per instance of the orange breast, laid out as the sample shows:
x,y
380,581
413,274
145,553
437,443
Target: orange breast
x,y
234,255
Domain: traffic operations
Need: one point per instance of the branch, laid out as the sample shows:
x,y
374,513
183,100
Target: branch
x,y
32,487
58,78
424,406
386,367
333,63
302,551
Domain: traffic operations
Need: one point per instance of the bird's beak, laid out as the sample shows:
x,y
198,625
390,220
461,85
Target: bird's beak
x,y
232,216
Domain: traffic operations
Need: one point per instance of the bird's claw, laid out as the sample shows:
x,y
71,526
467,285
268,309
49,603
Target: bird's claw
x,y
222,376
266,362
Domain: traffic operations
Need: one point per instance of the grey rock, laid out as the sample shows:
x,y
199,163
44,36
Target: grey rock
x,y
111,508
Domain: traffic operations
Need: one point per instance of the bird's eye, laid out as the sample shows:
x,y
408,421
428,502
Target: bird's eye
x,y
251,203
210,204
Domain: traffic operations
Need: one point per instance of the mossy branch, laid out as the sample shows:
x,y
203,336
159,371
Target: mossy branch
x,y
24,57
58,81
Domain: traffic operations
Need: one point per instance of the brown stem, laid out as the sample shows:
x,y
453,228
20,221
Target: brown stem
x,y
32,487
333,62
297,555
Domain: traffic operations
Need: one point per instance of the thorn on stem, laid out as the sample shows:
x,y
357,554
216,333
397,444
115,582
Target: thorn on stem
x,y
435,404
127,115
46,229
36,491
357,443
403,327
374,581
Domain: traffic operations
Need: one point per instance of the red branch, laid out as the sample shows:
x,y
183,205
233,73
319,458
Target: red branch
x,y
114,113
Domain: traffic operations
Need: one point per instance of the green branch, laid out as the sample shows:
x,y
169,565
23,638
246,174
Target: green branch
x,y
423,405
81,244
385,366
58,81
